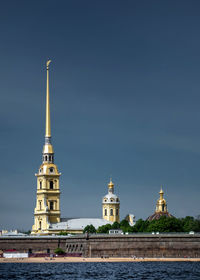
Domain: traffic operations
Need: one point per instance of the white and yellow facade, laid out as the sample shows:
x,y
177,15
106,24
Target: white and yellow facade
x,y
47,210
111,205
47,216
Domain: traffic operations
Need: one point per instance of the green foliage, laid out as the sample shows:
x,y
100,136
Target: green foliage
x,y
164,224
115,225
59,251
62,233
140,226
124,225
89,229
190,224
28,232
104,229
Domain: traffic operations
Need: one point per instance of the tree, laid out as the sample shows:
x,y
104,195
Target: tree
x,y
89,229
190,224
115,225
141,226
104,229
124,225
59,251
165,224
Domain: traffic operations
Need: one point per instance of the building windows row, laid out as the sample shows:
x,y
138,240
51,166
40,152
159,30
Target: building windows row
x,y
52,205
74,247
111,212
48,158
111,200
52,184
51,170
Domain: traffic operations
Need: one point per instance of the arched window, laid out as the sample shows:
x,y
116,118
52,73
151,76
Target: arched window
x,y
105,212
40,205
111,212
117,212
163,207
51,185
40,184
40,225
51,204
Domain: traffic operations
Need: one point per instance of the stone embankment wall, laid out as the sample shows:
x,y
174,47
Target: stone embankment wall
x,y
32,244
139,245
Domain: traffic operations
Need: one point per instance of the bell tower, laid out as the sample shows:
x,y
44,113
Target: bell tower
x,y
110,205
47,210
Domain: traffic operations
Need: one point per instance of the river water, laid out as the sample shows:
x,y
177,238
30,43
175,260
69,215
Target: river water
x,y
110,271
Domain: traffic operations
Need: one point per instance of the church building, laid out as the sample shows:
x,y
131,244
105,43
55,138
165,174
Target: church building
x,y
110,205
161,208
47,216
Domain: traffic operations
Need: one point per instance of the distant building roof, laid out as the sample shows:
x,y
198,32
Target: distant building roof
x,y
12,233
78,224
158,215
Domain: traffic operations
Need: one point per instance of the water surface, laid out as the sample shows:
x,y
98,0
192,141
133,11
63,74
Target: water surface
x,y
110,271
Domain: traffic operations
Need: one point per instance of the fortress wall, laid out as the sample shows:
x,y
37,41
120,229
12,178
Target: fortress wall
x,y
139,245
143,245
36,244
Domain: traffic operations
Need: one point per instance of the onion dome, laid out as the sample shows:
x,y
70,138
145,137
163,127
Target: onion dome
x,y
161,208
111,197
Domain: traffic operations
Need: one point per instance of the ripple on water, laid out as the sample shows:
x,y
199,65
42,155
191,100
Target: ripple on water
x,y
110,271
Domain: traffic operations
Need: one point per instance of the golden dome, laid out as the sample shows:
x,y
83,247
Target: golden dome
x,y
48,149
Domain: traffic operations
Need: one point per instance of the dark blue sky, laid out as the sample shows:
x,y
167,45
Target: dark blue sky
x,y
125,96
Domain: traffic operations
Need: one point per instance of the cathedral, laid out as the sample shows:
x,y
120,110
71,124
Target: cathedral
x,y
47,216
161,208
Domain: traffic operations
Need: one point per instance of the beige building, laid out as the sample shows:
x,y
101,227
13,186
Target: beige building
x,y
111,205
47,218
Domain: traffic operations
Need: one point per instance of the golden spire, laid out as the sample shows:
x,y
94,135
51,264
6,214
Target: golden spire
x,y
110,185
48,148
161,192
48,123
